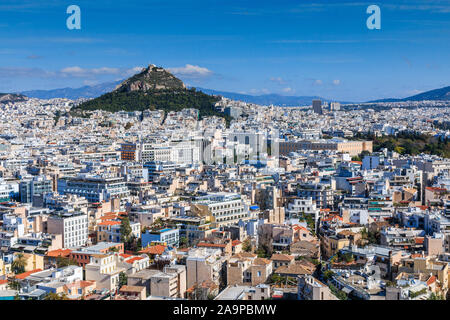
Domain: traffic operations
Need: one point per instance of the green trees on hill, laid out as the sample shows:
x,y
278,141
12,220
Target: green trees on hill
x,y
411,143
167,100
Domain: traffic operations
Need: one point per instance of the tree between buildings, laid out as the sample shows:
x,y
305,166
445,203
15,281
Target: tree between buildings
x,y
123,279
247,245
125,229
19,264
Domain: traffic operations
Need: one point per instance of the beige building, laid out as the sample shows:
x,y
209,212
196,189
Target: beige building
x,y
204,264
104,270
180,272
169,283
353,148
247,268
133,291
427,265
309,288
164,285
5,268
33,261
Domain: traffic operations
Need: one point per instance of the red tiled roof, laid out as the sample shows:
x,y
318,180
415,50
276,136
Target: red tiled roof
x,y
109,223
133,259
436,189
157,249
26,274
86,283
431,280
235,243
59,253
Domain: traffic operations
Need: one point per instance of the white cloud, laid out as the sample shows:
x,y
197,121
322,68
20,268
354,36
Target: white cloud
x,y
133,71
287,90
76,71
278,80
318,82
191,71
336,82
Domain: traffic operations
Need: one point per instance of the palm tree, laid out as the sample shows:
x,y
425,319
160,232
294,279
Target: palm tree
x,y
19,264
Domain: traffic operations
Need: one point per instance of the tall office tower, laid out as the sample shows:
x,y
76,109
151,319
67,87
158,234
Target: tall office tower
x,y
317,106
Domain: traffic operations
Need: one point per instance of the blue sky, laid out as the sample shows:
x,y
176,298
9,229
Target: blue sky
x,y
288,47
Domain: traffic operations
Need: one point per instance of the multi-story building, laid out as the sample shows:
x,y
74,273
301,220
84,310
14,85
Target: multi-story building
x,y
171,237
104,269
8,191
223,208
204,264
310,288
110,230
247,268
321,194
34,187
353,148
94,188
72,226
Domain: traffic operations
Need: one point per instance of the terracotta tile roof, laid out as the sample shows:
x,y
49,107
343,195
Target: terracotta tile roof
x,y
157,249
281,257
133,259
108,217
26,274
109,223
292,269
436,189
245,255
235,243
431,280
59,253
261,261
126,288
3,282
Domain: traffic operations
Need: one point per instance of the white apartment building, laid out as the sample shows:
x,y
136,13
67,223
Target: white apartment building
x,y
72,226
224,208
299,206
179,152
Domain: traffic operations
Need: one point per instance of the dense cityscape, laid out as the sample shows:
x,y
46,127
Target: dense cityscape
x,y
223,159
296,203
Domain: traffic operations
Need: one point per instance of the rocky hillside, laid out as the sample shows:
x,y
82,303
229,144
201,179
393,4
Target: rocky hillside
x,y
153,88
150,79
11,97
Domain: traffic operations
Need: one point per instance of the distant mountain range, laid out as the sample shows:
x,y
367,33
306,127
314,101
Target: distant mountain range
x,y
442,94
268,99
99,89
73,93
